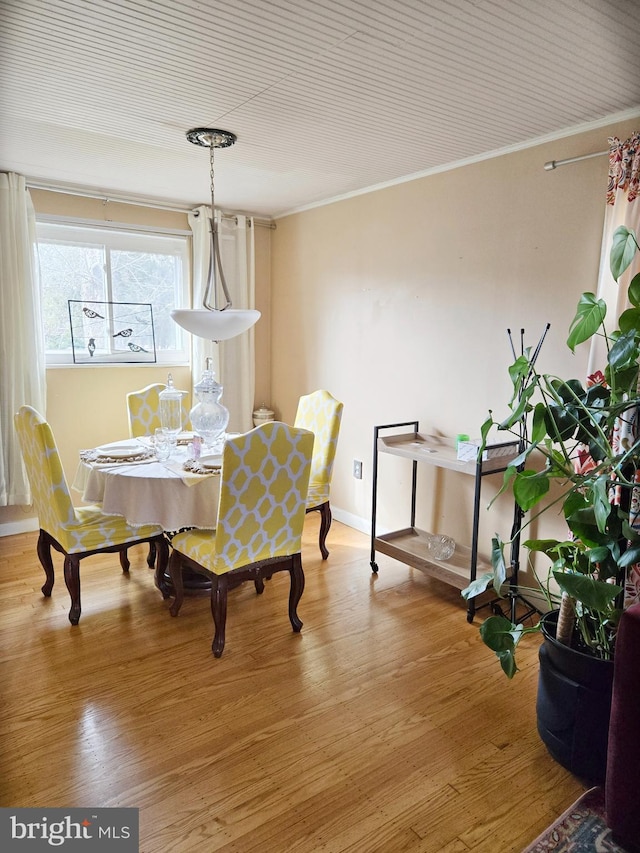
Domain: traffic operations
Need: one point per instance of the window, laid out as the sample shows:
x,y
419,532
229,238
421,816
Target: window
x,y
97,264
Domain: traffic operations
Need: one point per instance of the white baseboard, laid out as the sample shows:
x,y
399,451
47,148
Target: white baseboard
x,y
355,521
13,527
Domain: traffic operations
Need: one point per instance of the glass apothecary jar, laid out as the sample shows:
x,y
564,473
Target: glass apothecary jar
x,y
209,417
171,408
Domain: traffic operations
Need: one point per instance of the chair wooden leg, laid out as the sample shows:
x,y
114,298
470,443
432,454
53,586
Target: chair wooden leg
x,y
297,588
219,587
175,572
151,556
72,580
161,548
325,524
44,555
124,560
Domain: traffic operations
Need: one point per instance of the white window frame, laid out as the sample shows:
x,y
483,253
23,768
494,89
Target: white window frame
x,y
117,235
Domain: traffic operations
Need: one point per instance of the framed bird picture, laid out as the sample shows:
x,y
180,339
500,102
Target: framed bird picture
x,y
111,332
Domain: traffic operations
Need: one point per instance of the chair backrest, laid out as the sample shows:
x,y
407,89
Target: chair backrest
x,y
49,487
321,413
263,493
144,410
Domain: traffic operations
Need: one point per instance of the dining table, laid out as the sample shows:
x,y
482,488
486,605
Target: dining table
x,y
126,478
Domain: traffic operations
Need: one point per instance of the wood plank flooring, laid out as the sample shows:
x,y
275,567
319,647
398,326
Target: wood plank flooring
x,y
384,726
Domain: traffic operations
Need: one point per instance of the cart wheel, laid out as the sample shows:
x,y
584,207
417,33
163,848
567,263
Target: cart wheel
x,y
496,609
374,568
470,617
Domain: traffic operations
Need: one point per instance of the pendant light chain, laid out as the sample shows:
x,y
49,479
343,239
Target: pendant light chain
x,y
215,261
213,182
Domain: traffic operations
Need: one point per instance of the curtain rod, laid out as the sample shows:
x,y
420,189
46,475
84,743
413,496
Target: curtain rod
x,y
141,202
553,164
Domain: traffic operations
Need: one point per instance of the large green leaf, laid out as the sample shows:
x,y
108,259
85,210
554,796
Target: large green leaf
x,y
509,473
539,425
589,317
502,637
630,556
561,421
507,662
546,546
529,487
624,380
574,502
633,292
522,407
477,586
594,594
623,249
568,390
597,395
629,320
557,464
584,528
598,555
601,504
499,633
498,564
484,431
518,372
624,353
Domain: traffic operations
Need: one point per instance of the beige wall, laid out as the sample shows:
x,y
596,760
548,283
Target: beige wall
x,y
398,302
86,406
262,337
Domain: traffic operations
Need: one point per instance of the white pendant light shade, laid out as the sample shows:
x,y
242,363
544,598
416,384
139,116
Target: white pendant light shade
x,y
215,325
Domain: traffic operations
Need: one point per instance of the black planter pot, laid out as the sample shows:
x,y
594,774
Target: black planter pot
x,y
573,705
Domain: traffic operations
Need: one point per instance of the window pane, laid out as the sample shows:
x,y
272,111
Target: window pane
x,y
109,265
143,277
67,271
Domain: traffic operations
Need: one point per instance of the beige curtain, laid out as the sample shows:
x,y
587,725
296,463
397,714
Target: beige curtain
x,y
234,359
622,208
22,364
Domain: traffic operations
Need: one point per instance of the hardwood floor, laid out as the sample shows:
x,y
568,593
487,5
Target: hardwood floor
x,y
384,726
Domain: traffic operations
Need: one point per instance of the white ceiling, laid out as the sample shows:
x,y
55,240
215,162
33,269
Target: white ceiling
x,y
327,97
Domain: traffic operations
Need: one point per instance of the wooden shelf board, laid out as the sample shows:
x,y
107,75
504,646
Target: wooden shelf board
x,y
439,451
410,546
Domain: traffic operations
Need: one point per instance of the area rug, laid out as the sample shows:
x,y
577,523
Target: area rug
x,y
581,829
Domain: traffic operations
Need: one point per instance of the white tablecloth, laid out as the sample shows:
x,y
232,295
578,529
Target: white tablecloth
x,y
151,493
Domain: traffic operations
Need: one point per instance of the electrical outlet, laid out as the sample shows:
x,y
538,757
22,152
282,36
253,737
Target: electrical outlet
x,y
357,469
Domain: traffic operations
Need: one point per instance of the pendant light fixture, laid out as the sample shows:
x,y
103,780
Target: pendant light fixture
x,y
213,321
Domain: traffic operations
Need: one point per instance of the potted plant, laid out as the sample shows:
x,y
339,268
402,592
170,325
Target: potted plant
x,y
579,454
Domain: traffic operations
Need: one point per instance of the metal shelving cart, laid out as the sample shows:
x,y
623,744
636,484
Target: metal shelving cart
x,y
411,545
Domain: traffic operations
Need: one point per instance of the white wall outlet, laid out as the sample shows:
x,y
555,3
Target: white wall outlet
x,y
357,469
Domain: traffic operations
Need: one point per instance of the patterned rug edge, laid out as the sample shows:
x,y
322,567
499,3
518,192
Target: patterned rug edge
x,y
581,828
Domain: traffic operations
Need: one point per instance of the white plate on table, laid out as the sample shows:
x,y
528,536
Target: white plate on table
x,y
211,462
120,451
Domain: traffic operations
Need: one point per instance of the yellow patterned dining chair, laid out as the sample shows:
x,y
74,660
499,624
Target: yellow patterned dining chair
x,y
143,408
75,532
263,489
321,413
